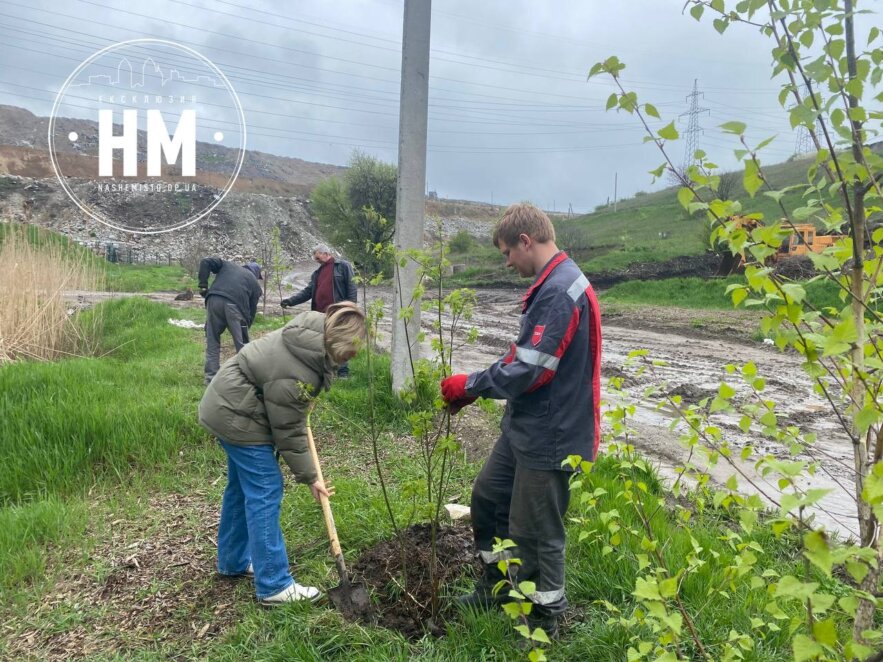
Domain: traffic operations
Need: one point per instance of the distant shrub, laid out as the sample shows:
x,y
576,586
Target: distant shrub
x,y
461,242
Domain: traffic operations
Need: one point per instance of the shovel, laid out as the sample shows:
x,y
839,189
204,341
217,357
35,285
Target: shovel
x,y
350,599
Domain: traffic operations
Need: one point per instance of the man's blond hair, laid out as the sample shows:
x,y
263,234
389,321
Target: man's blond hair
x,y
344,330
523,218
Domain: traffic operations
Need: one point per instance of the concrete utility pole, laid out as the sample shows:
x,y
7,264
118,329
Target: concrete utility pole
x,y
410,201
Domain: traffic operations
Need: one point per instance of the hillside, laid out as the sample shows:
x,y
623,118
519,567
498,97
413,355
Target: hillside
x,y
24,152
653,227
270,191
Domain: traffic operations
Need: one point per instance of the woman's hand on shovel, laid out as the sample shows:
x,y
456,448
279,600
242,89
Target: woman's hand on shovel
x,y
319,489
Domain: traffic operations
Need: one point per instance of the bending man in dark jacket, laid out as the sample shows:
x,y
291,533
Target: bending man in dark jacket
x,y
230,303
551,380
331,283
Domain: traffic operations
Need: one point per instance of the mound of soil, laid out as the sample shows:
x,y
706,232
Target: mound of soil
x,y
405,591
701,266
797,267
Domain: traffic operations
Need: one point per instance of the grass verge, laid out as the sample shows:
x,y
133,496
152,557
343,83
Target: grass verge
x,y
704,294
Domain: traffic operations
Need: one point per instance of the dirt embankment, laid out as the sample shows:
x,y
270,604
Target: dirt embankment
x,y
701,266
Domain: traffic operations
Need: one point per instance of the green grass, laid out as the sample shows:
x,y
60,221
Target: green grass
x,y
147,278
90,443
704,294
27,530
67,424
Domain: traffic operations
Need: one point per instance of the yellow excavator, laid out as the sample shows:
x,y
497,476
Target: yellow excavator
x,y
803,238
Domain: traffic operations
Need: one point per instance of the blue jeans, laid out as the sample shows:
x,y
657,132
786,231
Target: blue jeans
x,y
249,530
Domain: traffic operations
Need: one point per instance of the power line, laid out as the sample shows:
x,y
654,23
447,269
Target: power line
x,y
458,149
496,117
574,77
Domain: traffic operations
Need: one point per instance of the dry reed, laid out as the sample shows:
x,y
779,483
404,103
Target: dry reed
x,y
36,322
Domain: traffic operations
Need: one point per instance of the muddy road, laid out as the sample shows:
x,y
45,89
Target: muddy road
x,y
694,367
694,359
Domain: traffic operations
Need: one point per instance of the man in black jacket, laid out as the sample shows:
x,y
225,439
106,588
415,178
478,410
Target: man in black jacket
x,y
331,283
230,303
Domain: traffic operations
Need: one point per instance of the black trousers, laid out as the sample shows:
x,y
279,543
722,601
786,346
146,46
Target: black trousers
x,y
221,314
528,506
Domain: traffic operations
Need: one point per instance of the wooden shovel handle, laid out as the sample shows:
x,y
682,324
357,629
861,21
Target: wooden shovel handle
x,y
326,505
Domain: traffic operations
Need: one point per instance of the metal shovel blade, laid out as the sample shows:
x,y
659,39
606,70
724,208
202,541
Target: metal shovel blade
x,y
351,600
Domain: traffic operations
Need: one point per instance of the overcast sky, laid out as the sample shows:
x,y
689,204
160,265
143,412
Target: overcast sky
x,y
511,115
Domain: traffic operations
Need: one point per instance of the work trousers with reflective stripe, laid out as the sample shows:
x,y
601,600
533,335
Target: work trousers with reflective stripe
x,y
528,506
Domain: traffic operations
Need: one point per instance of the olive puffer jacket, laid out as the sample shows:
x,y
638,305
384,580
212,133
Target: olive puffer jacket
x,y
262,395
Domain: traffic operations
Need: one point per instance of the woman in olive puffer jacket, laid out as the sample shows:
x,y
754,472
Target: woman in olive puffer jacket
x,y
257,407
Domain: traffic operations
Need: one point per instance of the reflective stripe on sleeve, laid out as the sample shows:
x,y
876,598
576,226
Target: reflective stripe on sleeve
x,y
578,287
534,357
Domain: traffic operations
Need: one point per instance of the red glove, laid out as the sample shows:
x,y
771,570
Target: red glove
x,y
454,388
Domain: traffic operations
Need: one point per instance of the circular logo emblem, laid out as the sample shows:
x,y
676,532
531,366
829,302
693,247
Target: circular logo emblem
x,y
147,136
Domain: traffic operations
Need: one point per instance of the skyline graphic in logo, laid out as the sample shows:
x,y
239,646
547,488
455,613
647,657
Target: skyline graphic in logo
x,y
147,136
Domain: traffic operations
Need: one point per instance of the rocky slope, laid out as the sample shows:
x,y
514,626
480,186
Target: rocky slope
x,y
271,191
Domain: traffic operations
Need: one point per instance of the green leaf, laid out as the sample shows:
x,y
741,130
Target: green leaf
x,y
751,179
540,635
646,590
668,587
512,609
736,128
794,291
650,109
720,24
867,417
696,12
791,587
718,404
805,648
857,570
739,295
725,391
817,551
685,197
528,588
825,632
668,132
840,337
849,604
611,101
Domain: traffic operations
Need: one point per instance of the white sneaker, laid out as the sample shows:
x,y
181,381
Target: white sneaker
x,y
293,593
249,570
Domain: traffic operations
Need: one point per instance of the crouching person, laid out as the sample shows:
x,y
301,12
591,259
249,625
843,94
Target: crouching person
x,y
257,407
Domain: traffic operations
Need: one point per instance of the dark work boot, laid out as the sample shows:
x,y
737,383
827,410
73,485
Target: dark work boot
x,y
547,622
482,597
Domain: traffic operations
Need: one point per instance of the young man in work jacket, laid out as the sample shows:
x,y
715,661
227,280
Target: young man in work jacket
x,y
551,380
